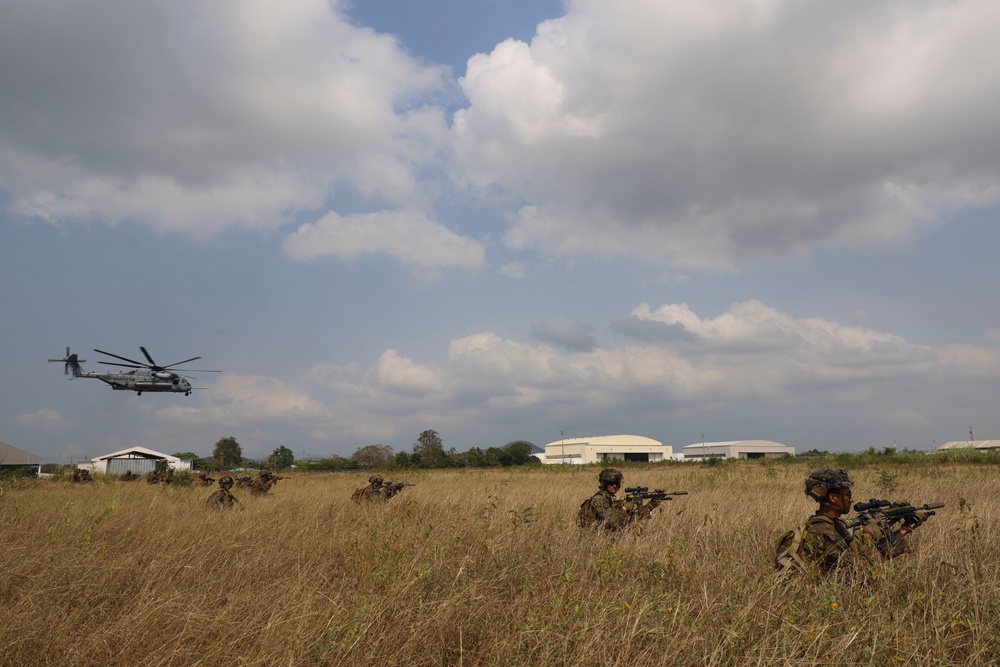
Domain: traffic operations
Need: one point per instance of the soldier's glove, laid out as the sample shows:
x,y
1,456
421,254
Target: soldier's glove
x,y
917,518
653,503
629,506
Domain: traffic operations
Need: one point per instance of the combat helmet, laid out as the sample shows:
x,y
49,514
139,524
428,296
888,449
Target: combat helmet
x,y
610,476
826,480
376,480
226,482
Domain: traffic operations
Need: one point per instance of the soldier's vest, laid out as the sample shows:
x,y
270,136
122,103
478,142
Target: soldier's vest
x,y
356,496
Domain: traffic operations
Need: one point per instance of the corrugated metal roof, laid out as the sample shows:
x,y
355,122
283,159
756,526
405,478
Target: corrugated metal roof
x,y
12,456
141,452
977,444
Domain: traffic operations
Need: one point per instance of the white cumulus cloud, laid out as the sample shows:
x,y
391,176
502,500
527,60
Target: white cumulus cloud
x,y
716,133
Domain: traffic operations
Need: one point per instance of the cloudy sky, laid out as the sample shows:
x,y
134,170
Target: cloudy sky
x,y
501,219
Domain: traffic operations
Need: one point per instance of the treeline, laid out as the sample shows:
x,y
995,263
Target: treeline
x,y
427,452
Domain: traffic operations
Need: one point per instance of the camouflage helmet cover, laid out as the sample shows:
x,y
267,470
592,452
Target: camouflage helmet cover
x,y
226,482
376,479
610,476
826,480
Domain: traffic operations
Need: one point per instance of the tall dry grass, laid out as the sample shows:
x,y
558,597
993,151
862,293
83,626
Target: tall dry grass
x,y
485,568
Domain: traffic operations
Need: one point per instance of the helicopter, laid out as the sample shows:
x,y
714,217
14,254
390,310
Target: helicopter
x,y
145,377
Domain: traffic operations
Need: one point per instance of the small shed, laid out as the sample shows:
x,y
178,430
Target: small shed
x,y
139,460
12,458
737,449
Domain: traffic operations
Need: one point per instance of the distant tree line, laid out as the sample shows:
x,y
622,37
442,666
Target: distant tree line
x,y
427,452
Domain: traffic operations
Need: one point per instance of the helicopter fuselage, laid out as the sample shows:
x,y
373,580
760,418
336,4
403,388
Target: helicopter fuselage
x,y
146,377
140,381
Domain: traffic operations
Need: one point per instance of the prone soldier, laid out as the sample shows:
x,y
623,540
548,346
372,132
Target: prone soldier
x,y
128,476
205,480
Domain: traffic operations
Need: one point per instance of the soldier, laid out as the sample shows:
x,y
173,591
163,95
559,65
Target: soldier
x,y
205,480
827,542
603,511
262,484
223,498
376,491
128,476
81,475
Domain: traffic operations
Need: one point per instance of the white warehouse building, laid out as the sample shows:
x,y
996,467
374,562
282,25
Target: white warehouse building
x,y
603,448
139,460
737,449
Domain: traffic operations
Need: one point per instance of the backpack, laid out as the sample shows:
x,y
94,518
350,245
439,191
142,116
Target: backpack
x,y
586,516
788,554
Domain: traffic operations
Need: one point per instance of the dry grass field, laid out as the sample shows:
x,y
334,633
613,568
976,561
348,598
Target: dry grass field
x,y
486,567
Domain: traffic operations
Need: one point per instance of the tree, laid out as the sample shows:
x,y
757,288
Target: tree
x,y
430,449
227,452
372,456
518,453
282,458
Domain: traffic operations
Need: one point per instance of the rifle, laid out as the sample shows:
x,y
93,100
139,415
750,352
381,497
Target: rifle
x,y
395,487
639,493
886,513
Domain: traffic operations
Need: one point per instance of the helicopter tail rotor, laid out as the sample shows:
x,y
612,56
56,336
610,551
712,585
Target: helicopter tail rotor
x,y
71,363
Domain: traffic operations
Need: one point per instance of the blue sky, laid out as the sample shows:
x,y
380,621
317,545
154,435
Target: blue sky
x,y
501,220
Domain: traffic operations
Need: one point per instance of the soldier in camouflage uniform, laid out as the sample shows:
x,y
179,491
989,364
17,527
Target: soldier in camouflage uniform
x,y
205,480
263,483
128,476
828,543
223,498
375,492
605,512
81,475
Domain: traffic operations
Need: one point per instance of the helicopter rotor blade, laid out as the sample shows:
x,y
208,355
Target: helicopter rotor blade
x,y
147,355
180,362
111,363
131,361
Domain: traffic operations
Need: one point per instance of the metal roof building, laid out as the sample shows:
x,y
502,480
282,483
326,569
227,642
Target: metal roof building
x,y
12,457
605,448
737,449
139,460
977,444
